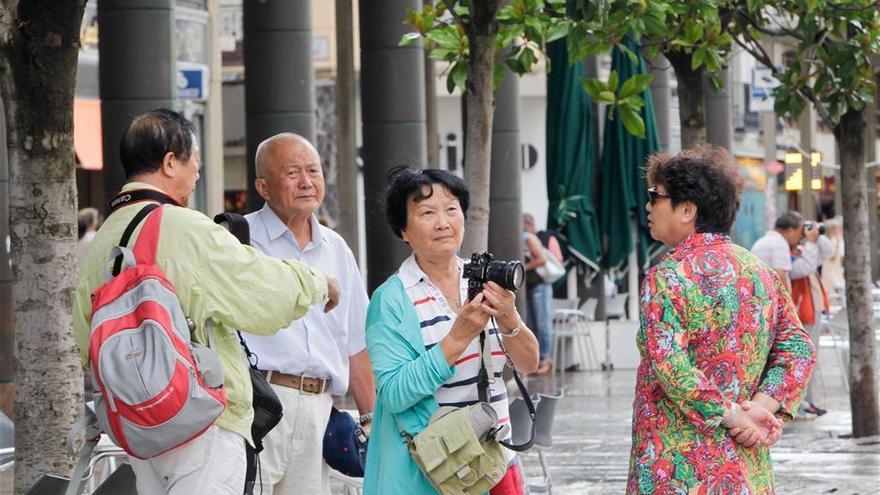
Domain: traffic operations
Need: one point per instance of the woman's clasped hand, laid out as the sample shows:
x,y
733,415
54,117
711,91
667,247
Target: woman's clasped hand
x,y
751,424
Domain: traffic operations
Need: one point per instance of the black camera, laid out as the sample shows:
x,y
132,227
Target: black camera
x,y
482,269
809,225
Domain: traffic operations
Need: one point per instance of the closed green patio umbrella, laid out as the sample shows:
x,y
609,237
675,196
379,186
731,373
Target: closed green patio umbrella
x,y
623,187
570,162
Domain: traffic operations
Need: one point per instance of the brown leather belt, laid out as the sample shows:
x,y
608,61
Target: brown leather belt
x,y
304,384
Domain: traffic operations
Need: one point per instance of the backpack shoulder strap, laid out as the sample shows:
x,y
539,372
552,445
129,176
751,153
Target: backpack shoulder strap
x,y
148,240
129,230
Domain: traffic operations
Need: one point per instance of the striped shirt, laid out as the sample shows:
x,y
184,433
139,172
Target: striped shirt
x,y
436,318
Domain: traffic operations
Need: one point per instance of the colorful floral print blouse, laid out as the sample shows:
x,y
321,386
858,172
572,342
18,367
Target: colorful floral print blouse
x,y
717,326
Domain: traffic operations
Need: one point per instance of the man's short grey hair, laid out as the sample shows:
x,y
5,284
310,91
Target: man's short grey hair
x,y
264,149
789,220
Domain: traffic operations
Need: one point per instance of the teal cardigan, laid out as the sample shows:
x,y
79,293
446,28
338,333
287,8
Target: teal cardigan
x,y
406,378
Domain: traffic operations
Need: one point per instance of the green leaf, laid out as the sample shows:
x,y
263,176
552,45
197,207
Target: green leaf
x,y
635,85
497,74
697,58
450,83
606,97
528,59
633,122
592,87
629,53
724,40
441,53
693,32
558,30
714,62
459,75
613,79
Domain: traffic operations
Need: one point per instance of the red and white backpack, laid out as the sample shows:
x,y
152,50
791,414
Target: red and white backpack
x,y
158,388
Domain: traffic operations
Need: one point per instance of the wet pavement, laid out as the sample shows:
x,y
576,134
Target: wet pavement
x,y
590,454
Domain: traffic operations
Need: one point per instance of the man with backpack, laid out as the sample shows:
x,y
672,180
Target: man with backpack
x,y
161,291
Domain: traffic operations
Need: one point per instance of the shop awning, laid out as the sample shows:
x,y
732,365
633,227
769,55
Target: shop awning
x,y
87,134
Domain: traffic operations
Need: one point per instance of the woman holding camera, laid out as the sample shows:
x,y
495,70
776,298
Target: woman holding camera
x,y
423,333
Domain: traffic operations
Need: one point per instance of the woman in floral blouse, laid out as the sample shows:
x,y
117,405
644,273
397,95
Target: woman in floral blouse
x,y
721,346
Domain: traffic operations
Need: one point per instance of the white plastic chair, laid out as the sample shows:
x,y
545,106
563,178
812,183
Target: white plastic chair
x,y
838,327
615,307
571,321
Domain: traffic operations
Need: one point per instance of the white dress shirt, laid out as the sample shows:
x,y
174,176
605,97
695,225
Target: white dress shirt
x,y
773,250
319,344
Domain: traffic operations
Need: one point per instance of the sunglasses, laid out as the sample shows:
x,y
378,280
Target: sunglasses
x,y
654,195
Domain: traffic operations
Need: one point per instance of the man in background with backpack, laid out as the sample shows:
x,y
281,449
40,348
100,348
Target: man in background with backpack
x,y
216,280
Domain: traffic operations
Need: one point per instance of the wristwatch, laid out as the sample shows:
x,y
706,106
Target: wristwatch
x,y
365,418
513,332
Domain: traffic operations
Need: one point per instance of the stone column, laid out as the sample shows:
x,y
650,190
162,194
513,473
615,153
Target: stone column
x,y
661,93
505,222
393,114
279,75
137,71
808,130
719,112
346,113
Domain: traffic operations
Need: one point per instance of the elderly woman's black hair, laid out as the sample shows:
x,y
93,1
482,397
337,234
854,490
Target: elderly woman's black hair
x,y
405,183
707,176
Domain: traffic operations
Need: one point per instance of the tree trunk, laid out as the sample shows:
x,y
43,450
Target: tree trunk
x,y
480,100
346,113
40,41
862,345
691,101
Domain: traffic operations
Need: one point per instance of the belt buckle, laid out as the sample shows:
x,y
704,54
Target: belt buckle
x,y
310,389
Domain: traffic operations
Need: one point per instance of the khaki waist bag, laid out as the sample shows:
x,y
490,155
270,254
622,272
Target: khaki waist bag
x,y
458,451
462,451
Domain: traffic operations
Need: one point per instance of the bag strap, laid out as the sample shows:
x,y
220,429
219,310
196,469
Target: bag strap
x,y
89,425
483,390
129,230
238,226
139,196
147,243
252,358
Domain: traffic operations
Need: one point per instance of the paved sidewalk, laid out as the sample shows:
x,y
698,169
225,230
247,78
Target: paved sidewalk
x,y
592,439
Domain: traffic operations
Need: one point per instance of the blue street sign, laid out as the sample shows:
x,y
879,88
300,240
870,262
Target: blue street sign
x,y
192,82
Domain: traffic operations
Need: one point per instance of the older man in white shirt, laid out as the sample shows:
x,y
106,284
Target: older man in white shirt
x,y
774,248
322,354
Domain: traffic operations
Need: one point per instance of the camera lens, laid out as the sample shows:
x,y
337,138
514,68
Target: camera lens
x,y
808,225
507,274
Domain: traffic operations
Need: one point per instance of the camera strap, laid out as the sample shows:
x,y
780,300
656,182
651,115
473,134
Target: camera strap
x,y
483,386
126,198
